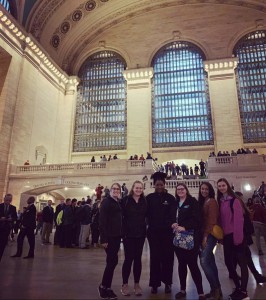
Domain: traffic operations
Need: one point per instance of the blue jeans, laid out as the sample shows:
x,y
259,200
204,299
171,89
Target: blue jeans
x,y
207,261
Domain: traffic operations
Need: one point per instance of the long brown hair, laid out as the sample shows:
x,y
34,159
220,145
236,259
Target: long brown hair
x,y
230,192
131,193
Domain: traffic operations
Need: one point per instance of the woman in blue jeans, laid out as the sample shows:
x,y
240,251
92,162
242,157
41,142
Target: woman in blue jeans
x,y
210,212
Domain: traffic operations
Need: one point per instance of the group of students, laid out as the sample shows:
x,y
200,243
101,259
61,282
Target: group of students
x,y
160,215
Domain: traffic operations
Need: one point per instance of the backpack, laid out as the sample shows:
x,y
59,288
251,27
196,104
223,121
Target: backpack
x,y
59,219
248,226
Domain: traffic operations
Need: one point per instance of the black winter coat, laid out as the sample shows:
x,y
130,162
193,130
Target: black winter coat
x,y
111,219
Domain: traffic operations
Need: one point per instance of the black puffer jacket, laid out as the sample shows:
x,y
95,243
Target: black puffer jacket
x,y
111,219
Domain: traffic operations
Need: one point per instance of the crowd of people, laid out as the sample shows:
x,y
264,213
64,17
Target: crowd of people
x,y
141,157
173,170
131,217
233,152
104,158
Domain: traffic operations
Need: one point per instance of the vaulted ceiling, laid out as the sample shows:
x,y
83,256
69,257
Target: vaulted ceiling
x,y
71,30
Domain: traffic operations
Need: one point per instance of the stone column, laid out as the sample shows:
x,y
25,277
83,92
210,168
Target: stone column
x,y
7,111
66,121
224,104
139,128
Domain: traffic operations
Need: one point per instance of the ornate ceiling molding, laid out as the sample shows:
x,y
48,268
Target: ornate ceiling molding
x,y
40,15
73,19
133,11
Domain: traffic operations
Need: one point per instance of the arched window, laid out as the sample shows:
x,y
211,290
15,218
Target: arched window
x,y
101,105
180,107
10,6
251,83
6,4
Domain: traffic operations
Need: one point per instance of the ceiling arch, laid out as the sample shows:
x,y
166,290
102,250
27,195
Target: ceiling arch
x,y
69,30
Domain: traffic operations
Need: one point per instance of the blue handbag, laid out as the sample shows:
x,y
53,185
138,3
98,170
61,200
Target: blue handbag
x,y
184,239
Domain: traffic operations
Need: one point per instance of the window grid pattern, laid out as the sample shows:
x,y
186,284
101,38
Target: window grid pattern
x,y
100,122
251,84
181,105
5,4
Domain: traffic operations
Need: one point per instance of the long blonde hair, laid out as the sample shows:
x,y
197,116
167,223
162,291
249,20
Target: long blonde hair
x,y
131,193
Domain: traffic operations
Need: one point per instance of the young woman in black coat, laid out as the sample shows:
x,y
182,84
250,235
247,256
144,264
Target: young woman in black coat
x,y
134,233
160,216
187,218
110,222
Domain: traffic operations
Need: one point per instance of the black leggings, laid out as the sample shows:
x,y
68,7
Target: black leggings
x,y
234,253
133,251
111,260
189,258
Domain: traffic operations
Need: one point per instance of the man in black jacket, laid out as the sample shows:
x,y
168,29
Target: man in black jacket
x,y
48,218
28,224
8,215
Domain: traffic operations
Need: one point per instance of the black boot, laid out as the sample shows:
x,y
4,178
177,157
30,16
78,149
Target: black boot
x,y
260,278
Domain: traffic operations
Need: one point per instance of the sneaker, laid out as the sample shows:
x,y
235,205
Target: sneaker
x,y
209,295
103,292
239,295
260,278
234,294
167,289
137,290
111,294
125,290
180,295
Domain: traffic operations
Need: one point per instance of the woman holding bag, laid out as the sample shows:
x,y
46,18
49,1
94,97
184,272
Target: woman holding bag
x,y
188,218
210,213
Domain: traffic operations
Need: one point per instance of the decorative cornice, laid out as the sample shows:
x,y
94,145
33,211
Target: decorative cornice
x,y
142,74
71,86
221,69
19,39
221,64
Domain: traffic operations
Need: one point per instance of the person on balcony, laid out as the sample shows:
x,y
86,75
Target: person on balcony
x,y
141,157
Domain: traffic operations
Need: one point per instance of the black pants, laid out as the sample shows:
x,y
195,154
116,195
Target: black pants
x,y
233,254
111,260
189,258
58,234
4,233
250,263
95,233
66,237
161,256
133,251
29,233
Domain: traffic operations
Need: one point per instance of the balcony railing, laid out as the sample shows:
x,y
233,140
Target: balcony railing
x,y
119,165
241,162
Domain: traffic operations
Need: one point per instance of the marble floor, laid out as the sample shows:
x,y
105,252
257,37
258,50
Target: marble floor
x,y
57,273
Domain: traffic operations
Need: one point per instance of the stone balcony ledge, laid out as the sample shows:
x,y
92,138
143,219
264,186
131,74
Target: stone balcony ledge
x,y
119,166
